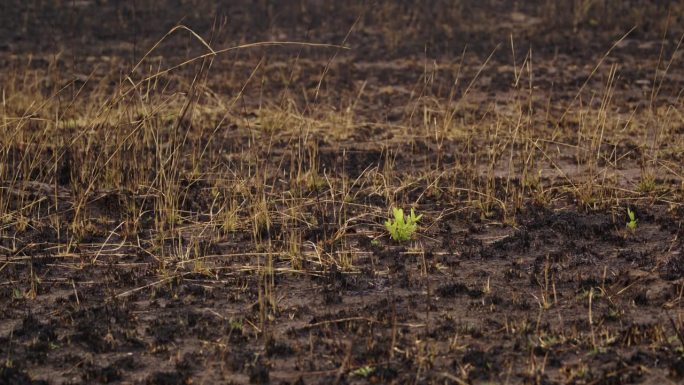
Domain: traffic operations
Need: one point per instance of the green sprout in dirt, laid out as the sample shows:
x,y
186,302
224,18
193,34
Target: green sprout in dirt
x,y
364,371
402,228
632,224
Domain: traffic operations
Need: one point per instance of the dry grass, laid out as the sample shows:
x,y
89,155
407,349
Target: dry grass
x,y
180,158
286,170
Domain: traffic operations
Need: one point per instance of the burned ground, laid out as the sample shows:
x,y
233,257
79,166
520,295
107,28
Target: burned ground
x,y
172,216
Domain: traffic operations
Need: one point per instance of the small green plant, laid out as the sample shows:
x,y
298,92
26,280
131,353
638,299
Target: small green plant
x,y
632,224
401,228
235,325
364,371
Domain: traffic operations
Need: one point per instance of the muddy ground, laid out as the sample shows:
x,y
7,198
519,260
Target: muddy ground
x,y
222,222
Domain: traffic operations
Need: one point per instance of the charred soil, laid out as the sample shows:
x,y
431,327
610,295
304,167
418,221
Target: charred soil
x,y
179,206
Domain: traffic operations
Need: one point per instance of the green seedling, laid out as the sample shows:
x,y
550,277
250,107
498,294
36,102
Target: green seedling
x,y
364,371
401,228
235,325
632,224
